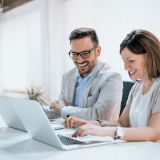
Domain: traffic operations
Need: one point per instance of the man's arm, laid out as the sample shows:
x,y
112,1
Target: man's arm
x,y
107,105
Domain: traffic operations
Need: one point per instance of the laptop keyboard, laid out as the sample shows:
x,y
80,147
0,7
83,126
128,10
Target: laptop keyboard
x,y
69,141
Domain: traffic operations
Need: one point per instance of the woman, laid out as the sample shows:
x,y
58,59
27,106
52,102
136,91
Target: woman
x,y
140,120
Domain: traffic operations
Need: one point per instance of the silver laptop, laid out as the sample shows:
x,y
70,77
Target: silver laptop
x,y
9,115
37,124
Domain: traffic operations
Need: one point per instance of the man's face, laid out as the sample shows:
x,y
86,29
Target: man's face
x,y
85,65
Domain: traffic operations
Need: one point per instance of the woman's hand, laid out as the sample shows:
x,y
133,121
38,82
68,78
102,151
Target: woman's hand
x,y
88,129
74,121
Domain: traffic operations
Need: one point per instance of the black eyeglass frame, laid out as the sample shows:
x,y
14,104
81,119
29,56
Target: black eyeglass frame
x,y
84,56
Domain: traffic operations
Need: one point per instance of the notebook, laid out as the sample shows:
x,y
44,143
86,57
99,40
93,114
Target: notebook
x,y
9,115
37,124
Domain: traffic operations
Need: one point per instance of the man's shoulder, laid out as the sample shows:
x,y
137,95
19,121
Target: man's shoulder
x,y
106,71
70,72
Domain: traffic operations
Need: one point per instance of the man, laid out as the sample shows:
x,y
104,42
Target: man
x,y
91,90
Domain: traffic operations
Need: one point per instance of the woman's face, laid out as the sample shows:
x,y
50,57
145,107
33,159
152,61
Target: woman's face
x,y
135,64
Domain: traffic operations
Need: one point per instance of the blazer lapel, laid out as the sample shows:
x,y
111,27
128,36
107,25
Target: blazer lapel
x,y
72,87
86,91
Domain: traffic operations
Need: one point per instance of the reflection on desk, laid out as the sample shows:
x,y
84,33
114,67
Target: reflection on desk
x,y
2,123
17,145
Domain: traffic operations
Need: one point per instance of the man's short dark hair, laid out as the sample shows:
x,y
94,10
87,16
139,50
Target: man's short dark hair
x,y
79,33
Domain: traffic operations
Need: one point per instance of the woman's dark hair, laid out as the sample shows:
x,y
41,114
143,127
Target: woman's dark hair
x,y
84,32
144,42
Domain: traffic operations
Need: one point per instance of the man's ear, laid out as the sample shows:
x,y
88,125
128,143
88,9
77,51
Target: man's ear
x,y
98,50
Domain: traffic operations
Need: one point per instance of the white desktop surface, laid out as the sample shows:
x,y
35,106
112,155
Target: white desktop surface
x,y
17,145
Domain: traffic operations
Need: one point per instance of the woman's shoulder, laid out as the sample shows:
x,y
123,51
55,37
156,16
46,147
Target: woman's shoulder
x,y
157,86
136,87
138,84
157,80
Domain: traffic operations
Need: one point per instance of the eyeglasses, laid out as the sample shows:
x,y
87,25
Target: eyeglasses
x,y
83,54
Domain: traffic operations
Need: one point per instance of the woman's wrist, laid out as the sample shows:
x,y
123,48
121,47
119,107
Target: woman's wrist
x,y
98,122
119,133
102,123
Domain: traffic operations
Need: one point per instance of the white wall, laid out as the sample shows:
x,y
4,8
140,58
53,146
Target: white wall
x,y
112,19
24,48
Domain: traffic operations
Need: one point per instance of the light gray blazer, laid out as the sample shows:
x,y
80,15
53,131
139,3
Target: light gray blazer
x,y
102,95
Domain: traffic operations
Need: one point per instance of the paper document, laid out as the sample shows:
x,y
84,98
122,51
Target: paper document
x,y
46,108
57,126
90,138
58,120
57,123
68,132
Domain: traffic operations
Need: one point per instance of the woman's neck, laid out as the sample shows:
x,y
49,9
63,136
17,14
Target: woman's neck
x,y
146,85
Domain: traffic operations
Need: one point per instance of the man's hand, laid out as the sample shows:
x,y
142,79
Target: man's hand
x,y
57,106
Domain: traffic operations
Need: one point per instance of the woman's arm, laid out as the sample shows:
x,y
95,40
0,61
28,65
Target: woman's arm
x,y
149,133
124,118
122,121
74,121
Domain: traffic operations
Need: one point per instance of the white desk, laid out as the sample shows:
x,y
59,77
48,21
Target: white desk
x,y
17,145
